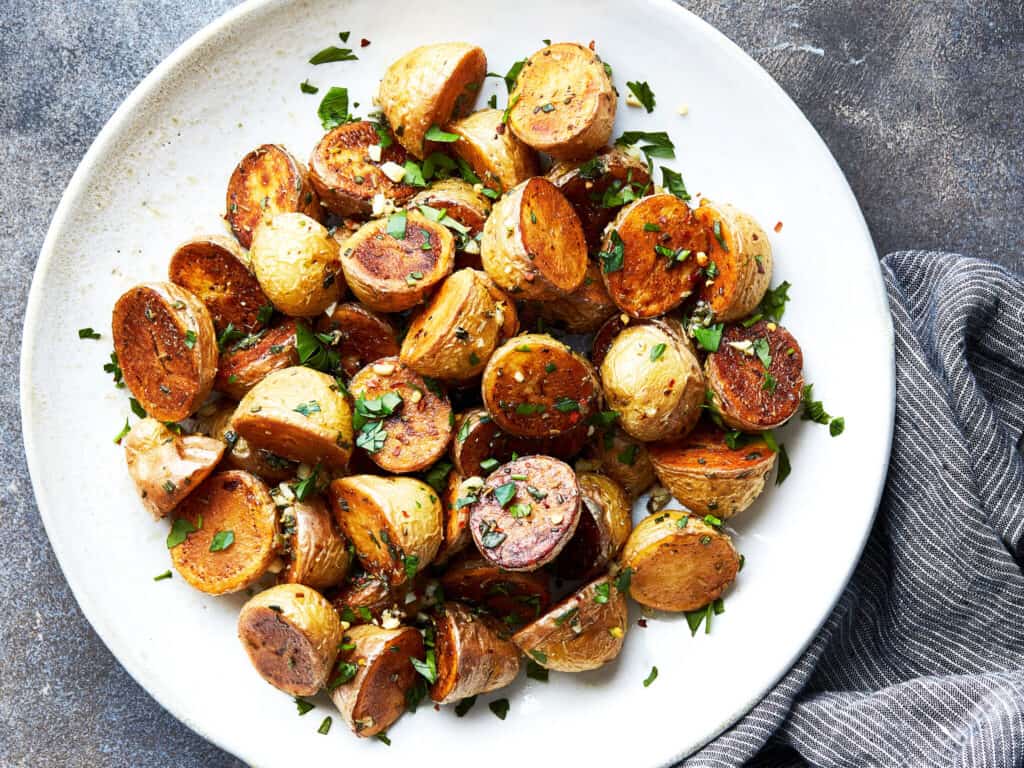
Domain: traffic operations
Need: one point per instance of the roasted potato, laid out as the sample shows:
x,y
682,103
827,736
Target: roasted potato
x,y
515,598
166,347
375,676
316,554
167,467
364,598
267,182
622,458
300,414
392,264
395,523
563,102
605,523
239,454
345,174
297,264
497,157
534,386
417,431
678,562
710,478
230,526
429,87
291,634
478,439
456,501
461,208
246,362
756,377
742,258
533,244
585,631
616,324
473,655
363,336
583,310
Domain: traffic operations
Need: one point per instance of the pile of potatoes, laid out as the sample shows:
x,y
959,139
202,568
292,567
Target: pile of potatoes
x,y
341,395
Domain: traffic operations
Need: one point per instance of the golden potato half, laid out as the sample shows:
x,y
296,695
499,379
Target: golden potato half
x,y
472,655
742,256
605,523
497,157
246,362
316,553
622,458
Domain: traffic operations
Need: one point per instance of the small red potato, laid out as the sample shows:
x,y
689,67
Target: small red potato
x,y
473,655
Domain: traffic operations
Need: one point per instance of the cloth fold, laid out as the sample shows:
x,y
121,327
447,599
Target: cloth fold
x,y
922,661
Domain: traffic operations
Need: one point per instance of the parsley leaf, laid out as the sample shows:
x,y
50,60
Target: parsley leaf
x,y
611,260
331,54
434,133
709,338
397,225
87,333
222,540
643,94
333,109
673,182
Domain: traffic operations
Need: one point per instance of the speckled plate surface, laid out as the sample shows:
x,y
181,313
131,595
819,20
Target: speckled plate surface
x,y
156,176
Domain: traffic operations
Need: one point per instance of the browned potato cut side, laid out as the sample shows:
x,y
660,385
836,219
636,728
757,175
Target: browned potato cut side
x,y
622,458
167,349
493,152
742,256
363,336
316,553
563,102
267,181
291,634
239,454
678,562
583,310
750,395
478,438
246,362
515,598
226,502
473,655
605,523
585,631
457,500
461,208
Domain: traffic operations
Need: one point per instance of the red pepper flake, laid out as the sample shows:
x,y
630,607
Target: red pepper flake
x,y
363,43
437,707
641,623
591,45
778,226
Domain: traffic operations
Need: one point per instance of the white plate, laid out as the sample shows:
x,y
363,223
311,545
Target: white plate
x,y
156,176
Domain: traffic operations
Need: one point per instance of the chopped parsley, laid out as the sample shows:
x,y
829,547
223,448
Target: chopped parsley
x,y
303,706
331,54
763,352
464,706
222,540
180,529
307,87
612,259
434,133
601,592
325,726
504,493
307,408
333,109
307,486
784,466
397,225
315,349
673,182
709,338
162,576
535,671
427,667
656,352
651,677
87,333
499,707
643,94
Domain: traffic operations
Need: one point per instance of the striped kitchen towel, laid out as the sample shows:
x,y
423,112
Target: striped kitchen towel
x,y
922,661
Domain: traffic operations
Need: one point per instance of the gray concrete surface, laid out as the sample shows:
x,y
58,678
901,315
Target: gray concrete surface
x,y
920,102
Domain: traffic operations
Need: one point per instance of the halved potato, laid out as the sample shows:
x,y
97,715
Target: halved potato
x,y
239,454
742,256
363,336
233,509
457,205
585,631
364,598
472,653
300,414
167,349
267,181
392,264
707,476
563,102
616,324
167,467
678,562
515,598
393,522
245,363
497,157
291,634
430,86
479,439
533,244
316,553
456,500
583,310
605,523
622,458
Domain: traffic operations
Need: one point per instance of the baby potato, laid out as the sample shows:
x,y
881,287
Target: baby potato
x,y
300,414
614,325
515,598
653,380
533,244
456,501
710,478
364,598
238,453
472,655
742,256
478,439
605,523
583,632
230,533
623,458
316,553
393,522
267,182
245,363
429,87
167,467
497,157
582,311
297,264
563,102
291,634
167,349
363,336
457,205
392,264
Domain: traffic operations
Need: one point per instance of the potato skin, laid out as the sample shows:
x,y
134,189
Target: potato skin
x,y
267,181
563,102
297,264
159,459
744,271
576,635
478,438
267,417
515,598
456,503
707,476
678,568
473,655
623,458
363,336
317,554
166,347
245,363
615,325
582,311
371,592
493,152
605,523
430,85
291,634
238,453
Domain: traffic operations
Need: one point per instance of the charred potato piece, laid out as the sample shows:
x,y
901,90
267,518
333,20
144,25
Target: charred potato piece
x,y
678,562
167,349
317,555
526,512
234,503
563,102
742,256
516,598
585,631
534,386
393,522
605,523
267,182
392,264
363,336
430,86
300,414
457,499
167,467
291,634
346,176
478,438
239,454
623,458
533,244
472,654
417,432
246,362
374,698
497,157
583,310
458,206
